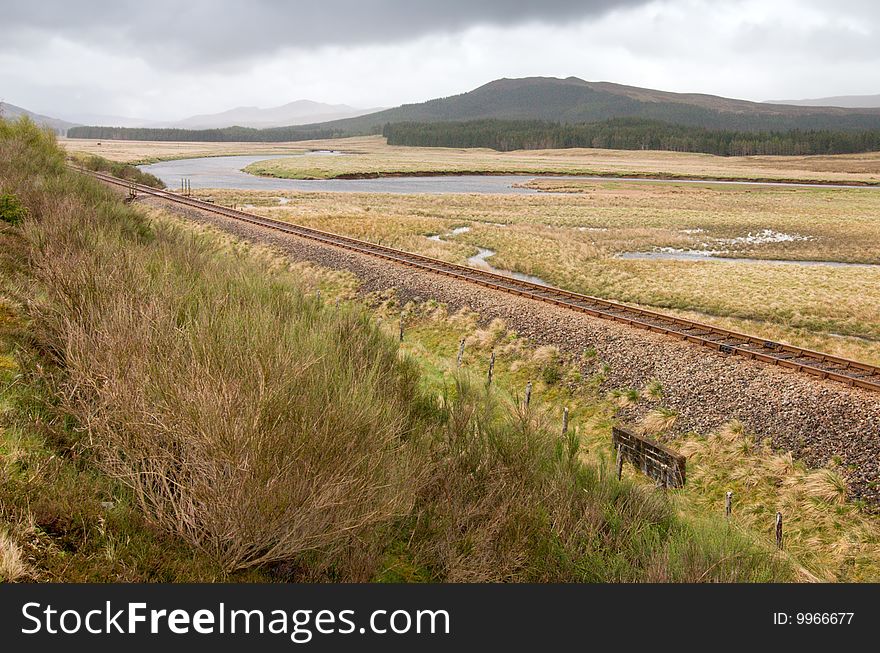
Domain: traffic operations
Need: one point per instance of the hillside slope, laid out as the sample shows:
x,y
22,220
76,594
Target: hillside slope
x,y
11,112
573,100
299,112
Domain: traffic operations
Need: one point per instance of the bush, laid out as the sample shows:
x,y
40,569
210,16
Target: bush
x,y
11,210
121,170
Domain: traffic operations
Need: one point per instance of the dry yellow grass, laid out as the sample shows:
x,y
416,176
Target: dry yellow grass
x,y
658,421
12,564
151,151
833,539
369,154
372,155
572,241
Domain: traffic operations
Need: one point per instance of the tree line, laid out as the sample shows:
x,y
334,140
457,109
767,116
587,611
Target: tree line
x,y
628,134
222,135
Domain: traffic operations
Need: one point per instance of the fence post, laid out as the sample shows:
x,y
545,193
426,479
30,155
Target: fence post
x,y
460,352
564,421
779,531
528,393
619,462
728,504
401,328
491,367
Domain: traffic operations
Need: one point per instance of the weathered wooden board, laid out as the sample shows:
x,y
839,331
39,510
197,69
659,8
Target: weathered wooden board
x,y
663,464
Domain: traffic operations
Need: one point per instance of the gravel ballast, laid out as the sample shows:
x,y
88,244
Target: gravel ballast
x,y
816,420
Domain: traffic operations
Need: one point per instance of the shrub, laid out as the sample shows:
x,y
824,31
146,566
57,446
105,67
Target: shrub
x,y
11,210
122,170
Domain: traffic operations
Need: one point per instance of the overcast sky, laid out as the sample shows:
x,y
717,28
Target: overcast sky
x,y
166,60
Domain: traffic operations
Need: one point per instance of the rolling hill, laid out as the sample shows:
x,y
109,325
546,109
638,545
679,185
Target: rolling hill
x,y
300,112
569,102
60,127
573,100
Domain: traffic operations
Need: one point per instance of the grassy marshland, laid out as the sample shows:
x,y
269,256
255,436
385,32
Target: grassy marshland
x,y
572,240
176,407
371,154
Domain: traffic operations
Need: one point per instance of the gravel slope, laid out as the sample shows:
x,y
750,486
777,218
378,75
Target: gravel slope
x,y
814,419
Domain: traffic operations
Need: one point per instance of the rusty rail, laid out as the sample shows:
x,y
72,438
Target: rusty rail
x,y
818,364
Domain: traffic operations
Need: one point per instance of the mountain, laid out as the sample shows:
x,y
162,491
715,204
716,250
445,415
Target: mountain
x,y
59,126
300,112
846,101
574,100
108,119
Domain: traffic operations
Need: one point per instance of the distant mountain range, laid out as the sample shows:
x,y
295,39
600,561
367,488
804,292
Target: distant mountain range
x,y
570,100
846,101
11,111
301,112
574,100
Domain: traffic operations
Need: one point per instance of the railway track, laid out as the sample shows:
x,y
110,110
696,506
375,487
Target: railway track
x,y
818,364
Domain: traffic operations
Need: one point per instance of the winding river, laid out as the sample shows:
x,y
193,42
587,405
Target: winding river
x,y
226,172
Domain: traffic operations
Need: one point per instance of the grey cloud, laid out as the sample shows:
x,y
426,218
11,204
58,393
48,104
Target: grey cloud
x,y
221,33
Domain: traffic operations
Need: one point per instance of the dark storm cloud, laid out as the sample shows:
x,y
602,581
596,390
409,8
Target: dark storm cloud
x,y
220,32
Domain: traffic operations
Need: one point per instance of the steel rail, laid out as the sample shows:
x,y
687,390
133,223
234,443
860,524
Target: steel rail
x,y
818,364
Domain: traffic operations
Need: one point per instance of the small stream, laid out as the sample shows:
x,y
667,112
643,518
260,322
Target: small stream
x,y
478,260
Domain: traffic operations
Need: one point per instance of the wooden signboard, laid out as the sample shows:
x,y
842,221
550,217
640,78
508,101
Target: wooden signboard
x,y
663,464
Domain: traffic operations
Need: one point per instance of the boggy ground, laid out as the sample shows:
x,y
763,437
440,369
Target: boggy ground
x,y
371,155
573,241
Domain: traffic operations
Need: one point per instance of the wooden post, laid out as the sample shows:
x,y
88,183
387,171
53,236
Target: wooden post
x,y
779,531
460,352
491,367
728,504
619,462
564,421
401,328
528,393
